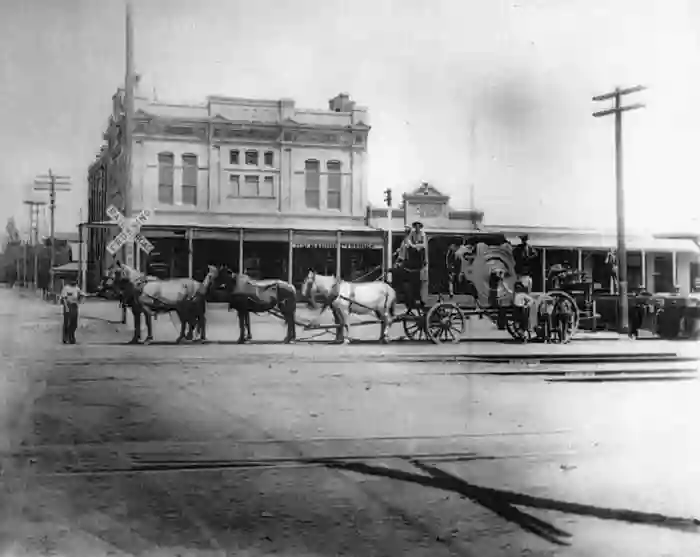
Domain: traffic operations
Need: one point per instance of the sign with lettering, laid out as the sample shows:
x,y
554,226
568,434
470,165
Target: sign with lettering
x,y
130,230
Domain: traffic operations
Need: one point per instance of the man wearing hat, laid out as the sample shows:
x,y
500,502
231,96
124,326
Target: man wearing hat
x,y
417,240
524,256
416,237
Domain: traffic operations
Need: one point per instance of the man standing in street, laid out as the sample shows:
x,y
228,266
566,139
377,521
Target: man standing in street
x,y
71,296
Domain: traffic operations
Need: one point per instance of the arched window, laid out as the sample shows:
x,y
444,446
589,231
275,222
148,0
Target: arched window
x,y
189,179
312,172
335,179
166,168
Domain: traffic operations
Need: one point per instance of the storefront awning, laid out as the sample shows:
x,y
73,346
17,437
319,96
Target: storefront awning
x,y
605,242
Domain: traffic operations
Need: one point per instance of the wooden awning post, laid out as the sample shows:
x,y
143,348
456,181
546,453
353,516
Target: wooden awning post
x,y
190,262
290,270
338,236
674,268
544,269
240,251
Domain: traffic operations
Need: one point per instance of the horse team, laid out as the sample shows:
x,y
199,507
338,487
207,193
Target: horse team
x,y
149,296
486,266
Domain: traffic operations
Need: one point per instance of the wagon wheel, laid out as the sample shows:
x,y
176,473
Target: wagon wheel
x,y
414,324
571,327
445,322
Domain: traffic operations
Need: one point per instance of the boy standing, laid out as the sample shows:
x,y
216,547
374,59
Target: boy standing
x,y
71,296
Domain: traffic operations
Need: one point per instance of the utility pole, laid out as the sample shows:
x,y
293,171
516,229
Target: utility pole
x,y
34,207
617,110
128,122
52,184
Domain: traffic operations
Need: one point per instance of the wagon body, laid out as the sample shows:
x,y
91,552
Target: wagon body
x,y
440,319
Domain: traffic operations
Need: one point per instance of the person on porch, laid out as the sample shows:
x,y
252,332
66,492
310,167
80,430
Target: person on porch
x,y
524,256
611,267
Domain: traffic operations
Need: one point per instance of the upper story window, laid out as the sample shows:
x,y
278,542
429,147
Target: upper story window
x,y
234,156
189,179
335,180
166,171
251,158
251,186
312,191
269,158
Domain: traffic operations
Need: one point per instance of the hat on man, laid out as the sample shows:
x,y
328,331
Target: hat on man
x,y
417,223
524,237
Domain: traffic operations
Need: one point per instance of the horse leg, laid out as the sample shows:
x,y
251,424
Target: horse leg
x,y
189,321
241,326
137,325
343,326
338,322
203,327
184,323
249,335
149,325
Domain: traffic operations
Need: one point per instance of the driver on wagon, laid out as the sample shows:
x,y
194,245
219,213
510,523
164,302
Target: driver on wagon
x,y
524,255
415,239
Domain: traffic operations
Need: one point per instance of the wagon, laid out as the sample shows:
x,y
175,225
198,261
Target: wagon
x,y
488,288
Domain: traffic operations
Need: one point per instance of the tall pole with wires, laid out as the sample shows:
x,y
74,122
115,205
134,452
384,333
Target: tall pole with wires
x,y
617,110
127,146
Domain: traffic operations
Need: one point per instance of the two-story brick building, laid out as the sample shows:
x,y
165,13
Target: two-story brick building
x,y
260,185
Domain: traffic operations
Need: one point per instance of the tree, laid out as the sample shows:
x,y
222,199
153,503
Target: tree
x,y
12,231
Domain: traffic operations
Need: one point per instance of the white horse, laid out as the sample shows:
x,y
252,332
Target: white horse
x,y
365,298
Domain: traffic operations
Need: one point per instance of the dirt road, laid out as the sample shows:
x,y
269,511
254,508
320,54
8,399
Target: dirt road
x,y
223,450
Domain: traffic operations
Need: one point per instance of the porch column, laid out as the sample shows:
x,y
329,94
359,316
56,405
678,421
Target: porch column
x,y
240,251
81,260
338,235
544,269
190,261
137,257
643,255
580,259
290,269
674,268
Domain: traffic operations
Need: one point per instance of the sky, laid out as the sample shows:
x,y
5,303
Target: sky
x,y
485,93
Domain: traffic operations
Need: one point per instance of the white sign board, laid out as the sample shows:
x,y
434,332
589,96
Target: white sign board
x,y
130,230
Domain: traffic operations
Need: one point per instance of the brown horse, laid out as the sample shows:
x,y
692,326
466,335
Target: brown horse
x,y
150,296
247,296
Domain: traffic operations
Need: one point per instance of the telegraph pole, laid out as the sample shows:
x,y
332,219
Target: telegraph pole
x,y
52,184
617,110
129,83
34,227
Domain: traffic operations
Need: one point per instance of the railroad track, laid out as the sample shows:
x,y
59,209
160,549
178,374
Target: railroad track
x,y
168,456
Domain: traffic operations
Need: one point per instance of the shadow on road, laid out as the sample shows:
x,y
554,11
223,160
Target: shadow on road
x,y
502,502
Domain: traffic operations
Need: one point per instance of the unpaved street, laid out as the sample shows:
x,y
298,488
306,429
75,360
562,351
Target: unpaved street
x,y
218,450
